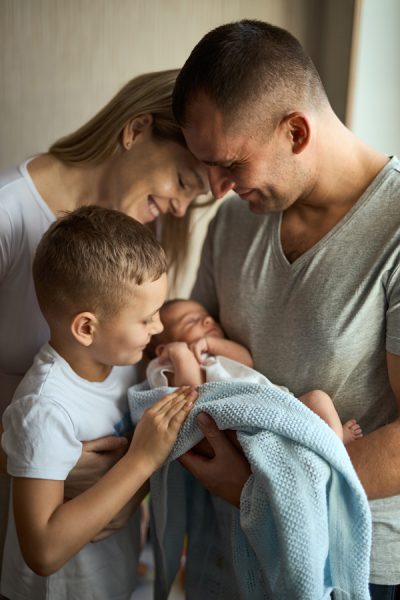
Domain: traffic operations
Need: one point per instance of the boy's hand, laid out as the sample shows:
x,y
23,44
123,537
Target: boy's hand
x,y
198,348
157,430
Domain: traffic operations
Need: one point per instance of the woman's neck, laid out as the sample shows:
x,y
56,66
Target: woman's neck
x,y
65,187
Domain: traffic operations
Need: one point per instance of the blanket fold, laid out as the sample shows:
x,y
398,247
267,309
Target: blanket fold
x,y
304,525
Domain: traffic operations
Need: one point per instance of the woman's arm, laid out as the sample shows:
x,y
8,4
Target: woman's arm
x,y
51,532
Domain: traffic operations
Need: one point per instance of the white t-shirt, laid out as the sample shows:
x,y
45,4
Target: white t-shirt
x,y
52,412
24,217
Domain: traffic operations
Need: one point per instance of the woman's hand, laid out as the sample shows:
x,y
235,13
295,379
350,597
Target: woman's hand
x,y
98,456
157,430
227,471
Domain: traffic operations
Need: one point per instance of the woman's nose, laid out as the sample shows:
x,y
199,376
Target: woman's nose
x,y
220,182
178,206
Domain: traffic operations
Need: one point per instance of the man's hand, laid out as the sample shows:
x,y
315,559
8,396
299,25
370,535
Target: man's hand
x,y
223,474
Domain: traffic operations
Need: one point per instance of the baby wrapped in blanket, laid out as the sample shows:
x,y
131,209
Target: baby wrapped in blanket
x,y
303,529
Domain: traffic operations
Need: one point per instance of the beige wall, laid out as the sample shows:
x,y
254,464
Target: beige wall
x,y
61,60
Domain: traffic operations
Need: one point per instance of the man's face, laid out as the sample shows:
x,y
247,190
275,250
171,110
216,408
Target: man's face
x,y
264,172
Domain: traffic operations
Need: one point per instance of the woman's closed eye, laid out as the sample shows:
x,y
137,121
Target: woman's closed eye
x,y
182,183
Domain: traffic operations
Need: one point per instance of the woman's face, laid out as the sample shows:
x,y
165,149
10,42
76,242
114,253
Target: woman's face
x,y
157,177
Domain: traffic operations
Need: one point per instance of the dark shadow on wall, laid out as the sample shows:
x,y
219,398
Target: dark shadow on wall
x,y
325,29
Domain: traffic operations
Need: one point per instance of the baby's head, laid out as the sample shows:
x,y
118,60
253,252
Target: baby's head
x,y
186,321
95,264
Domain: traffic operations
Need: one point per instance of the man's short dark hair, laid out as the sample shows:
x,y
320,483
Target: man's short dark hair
x,y
239,64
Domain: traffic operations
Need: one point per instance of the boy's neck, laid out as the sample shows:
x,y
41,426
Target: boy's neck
x,y
83,365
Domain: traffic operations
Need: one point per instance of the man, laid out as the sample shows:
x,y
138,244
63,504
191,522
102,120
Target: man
x,y
308,278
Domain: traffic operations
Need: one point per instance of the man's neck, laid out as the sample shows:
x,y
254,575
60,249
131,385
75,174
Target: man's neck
x,y
346,169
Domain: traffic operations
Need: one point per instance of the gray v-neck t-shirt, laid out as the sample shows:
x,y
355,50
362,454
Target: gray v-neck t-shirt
x,y
324,321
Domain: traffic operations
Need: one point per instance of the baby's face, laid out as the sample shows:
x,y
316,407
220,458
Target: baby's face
x,y
187,321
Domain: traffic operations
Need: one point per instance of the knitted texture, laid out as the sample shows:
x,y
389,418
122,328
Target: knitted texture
x,y
304,525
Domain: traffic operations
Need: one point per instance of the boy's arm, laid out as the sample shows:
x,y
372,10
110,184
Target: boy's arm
x,y
223,347
51,532
187,370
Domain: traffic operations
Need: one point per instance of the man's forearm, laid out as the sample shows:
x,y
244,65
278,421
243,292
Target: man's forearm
x,y
376,458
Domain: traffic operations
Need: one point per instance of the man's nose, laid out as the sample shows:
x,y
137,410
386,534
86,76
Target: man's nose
x,y
220,181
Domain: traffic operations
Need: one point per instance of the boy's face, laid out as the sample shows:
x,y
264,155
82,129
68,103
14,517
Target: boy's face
x,y
187,321
122,339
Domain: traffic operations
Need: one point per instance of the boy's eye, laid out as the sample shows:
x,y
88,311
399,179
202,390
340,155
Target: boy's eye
x,y
182,184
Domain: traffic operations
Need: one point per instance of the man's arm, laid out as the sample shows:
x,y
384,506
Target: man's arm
x,y
376,456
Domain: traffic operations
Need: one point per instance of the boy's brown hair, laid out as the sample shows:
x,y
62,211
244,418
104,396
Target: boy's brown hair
x,y
87,259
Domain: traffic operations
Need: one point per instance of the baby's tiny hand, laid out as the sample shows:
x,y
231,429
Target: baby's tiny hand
x,y
198,348
170,350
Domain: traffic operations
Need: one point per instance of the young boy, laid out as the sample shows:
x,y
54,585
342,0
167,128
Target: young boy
x,y
100,281
190,334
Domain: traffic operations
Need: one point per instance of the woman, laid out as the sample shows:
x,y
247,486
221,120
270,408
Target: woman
x,y
131,156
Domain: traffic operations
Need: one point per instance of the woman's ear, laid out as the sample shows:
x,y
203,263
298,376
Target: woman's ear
x,y
298,127
135,126
83,327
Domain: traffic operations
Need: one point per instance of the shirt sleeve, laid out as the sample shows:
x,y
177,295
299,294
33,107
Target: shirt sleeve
x,y
39,439
393,313
5,242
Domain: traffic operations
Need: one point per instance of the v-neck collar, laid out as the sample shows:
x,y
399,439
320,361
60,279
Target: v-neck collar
x,y
363,199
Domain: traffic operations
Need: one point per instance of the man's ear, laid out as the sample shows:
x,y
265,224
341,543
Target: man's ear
x,y
297,126
83,327
135,126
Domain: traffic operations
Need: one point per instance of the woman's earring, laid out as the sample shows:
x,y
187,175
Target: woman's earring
x,y
127,145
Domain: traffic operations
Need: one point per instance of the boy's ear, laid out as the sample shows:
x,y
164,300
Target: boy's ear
x,y
135,126
83,327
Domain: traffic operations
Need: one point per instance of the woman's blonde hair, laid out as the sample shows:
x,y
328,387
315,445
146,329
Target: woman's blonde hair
x,y
101,137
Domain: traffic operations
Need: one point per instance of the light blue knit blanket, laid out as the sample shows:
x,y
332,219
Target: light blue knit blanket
x,y
304,525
